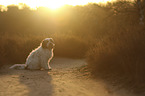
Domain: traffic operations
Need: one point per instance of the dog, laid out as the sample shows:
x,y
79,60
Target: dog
x,y
40,57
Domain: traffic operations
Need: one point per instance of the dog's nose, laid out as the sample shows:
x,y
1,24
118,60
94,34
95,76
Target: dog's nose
x,y
51,45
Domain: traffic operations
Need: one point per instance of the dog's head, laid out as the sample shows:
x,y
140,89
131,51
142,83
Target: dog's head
x,y
48,43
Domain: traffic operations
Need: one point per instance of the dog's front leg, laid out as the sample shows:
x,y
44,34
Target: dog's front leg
x,y
49,66
44,64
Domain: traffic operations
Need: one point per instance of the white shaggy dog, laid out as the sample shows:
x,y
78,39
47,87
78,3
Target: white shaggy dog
x,y
38,58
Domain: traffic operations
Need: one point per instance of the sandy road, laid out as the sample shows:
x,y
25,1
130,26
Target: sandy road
x,y
63,80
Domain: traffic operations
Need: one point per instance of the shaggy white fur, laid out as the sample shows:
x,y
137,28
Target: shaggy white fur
x,y
38,58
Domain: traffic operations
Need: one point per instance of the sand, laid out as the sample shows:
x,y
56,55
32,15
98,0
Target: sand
x,y
63,80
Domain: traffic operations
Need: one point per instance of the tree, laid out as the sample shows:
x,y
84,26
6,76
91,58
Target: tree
x,y
141,5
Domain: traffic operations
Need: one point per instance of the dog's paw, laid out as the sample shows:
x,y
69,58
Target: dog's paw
x,y
49,68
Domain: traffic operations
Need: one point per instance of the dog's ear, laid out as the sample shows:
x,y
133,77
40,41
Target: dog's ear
x,y
44,43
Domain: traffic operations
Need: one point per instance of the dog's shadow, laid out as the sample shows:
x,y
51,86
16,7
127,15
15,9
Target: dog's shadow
x,y
39,82
26,82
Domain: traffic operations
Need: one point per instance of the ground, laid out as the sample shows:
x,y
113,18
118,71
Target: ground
x,y
63,80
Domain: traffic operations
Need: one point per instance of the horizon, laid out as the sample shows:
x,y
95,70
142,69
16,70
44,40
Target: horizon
x,y
34,4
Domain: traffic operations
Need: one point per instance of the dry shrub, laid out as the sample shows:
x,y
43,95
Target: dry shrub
x,y
120,51
70,46
23,30
16,48
121,54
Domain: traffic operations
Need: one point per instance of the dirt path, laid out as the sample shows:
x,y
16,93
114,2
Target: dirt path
x,y
63,80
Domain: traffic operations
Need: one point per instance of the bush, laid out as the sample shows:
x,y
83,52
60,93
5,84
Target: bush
x,y
120,54
15,48
23,30
70,46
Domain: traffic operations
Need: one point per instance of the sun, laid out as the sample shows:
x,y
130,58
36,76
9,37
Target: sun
x,y
52,4
55,4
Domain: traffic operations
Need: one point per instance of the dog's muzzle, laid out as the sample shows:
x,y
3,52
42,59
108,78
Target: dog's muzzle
x,y
51,45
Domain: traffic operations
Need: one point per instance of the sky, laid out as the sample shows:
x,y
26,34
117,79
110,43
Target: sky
x,y
52,4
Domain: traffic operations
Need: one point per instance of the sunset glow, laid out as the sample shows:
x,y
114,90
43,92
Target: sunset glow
x,y
52,4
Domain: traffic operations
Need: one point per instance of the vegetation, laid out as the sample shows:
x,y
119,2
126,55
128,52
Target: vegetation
x,y
120,53
23,30
110,37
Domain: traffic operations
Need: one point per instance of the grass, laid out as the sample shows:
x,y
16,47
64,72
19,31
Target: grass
x,y
120,52
16,49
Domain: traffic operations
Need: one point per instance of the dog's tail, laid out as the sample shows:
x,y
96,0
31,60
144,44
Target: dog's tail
x,y
19,66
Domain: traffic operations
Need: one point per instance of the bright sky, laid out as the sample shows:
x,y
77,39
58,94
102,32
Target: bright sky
x,y
53,4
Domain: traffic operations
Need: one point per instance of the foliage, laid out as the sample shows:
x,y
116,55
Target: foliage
x,y
120,52
22,30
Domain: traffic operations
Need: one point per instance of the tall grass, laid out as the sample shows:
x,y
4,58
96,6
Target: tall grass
x,y
120,52
70,46
122,56
71,28
15,49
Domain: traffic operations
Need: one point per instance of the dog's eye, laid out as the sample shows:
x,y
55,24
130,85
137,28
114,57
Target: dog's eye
x,y
51,40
